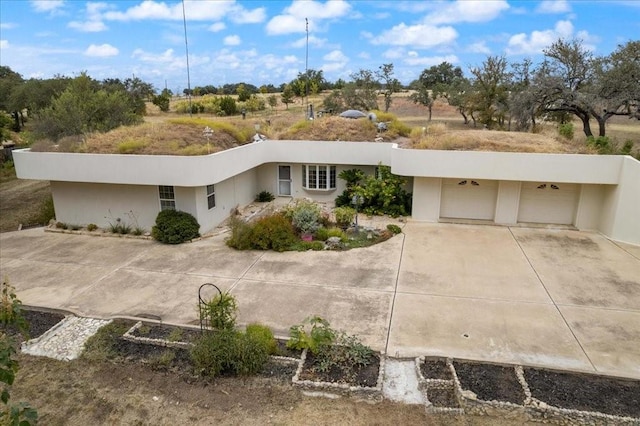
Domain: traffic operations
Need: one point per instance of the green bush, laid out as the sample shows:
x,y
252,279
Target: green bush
x,y
337,232
263,335
92,227
566,130
220,312
344,215
305,216
229,351
265,197
175,227
308,245
273,232
321,234
394,229
241,234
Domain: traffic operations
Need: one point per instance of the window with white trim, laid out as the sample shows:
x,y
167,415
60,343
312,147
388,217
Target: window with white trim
x,y
167,197
211,196
318,177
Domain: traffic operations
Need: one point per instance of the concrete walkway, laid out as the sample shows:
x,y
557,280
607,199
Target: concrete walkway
x,y
543,297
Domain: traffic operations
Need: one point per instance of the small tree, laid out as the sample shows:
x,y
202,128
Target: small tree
x,y
287,96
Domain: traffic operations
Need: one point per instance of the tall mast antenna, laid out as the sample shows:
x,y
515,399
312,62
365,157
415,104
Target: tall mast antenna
x,y
306,66
186,45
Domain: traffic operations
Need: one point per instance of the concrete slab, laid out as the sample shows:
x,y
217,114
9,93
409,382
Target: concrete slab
x,y
629,248
281,305
173,298
204,257
374,267
20,245
51,285
610,338
584,269
467,261
488,330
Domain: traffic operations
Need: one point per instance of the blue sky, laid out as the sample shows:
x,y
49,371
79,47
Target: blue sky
x,y
262,42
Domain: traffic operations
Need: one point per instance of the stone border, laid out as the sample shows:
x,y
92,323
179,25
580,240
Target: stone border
x,y
425,384
532,408
148,341
341,388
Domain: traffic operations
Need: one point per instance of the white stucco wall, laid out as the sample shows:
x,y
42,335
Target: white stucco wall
x,y
609,195
621,205
84,203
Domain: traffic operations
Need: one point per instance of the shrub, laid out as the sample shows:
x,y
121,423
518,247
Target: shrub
x,y
344,215
321,234
241,234
264,197
337,232
92,227
261,334
305,216
229,351
273,232
220,312
119,227
344,199
175,227
61,225
566,130
394,229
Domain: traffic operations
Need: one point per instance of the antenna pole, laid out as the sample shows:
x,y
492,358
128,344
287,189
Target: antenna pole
x,y
306,67
186,45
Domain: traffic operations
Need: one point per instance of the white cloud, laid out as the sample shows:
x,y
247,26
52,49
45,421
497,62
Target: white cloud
x,y
243,16
101,51
195,10
418,36
293,18
4,44
88,26
553,6
232,40
168,60
47,5
217,27
428,61
466,11
313,41
7,25
335,56
479,47
535,42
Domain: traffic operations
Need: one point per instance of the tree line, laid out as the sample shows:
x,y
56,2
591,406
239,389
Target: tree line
x,y
569,82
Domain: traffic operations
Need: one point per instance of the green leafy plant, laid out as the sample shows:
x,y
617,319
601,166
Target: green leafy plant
x,y
344,216
384,194
92,227
220,312
321,234
265,197
61,225
261,334
175,227
312,334
566,130
394,229
175,335
11,315
308,245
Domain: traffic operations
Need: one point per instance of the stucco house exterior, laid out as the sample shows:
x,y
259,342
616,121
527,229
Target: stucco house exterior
x,y
588,192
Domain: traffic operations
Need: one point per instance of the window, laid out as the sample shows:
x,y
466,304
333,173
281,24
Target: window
x,y
211,196
167,198
318,177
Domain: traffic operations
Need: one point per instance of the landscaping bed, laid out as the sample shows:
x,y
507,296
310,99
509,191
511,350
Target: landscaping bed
x,y
490,382
38,322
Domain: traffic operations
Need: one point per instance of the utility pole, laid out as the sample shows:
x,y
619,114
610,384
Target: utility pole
x,y
186,45
306,69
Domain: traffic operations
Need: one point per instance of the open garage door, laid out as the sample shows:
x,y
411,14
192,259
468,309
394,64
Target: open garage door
x,y
544,202
468,199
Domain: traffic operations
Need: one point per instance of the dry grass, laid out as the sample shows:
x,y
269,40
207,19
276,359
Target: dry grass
x,y
174,134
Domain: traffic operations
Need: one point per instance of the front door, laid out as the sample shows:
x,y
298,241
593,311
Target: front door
x,y
284,180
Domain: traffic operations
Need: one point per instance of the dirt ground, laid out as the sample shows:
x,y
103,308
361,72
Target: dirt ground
x,y
20,202
84,392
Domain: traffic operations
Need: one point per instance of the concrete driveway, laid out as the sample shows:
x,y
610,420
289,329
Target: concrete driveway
x,y
552,298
